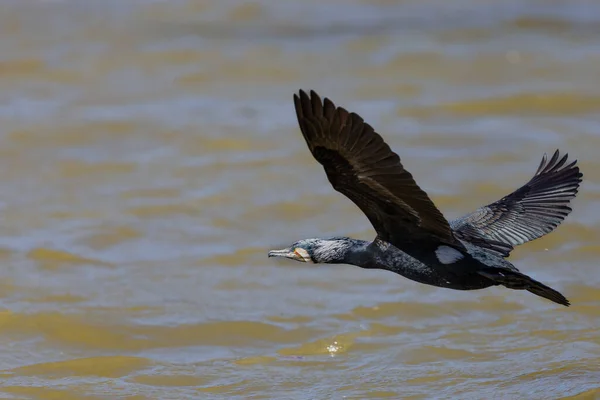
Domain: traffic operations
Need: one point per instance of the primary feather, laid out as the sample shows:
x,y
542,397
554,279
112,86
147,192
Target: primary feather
x,y
530,212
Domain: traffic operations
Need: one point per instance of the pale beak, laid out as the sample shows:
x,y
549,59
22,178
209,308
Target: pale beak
x,y
298,254
287,253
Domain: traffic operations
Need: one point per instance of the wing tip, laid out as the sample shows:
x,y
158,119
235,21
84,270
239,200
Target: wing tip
x,y
558,173
309,103
556,163
306,93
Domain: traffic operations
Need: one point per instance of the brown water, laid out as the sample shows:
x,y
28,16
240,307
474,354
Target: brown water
x,y
150,156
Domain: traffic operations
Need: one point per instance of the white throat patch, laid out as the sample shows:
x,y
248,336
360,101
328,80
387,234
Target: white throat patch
x,y
448,255
303,253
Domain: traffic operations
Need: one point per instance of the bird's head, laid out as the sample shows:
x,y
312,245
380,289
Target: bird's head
x,y
316,250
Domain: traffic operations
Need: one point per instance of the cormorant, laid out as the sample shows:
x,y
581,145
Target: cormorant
x,y
413,237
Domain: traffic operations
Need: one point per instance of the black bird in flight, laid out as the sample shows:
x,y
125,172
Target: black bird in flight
x,y
413,237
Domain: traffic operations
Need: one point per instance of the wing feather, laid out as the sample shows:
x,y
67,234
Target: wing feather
x,y
360,165
530,212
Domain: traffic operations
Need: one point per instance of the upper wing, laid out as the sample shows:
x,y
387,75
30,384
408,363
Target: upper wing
x,y
528,213
360,165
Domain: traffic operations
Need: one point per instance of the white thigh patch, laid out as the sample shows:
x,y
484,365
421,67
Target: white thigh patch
x,y
448,255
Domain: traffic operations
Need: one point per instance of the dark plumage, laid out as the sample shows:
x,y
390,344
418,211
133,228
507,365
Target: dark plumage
x,y
529,212
413,237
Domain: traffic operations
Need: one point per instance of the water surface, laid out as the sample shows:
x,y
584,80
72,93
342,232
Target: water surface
x,y
150,157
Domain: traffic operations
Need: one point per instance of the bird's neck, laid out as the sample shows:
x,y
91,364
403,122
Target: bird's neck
x,y
356,252
343,251
378,255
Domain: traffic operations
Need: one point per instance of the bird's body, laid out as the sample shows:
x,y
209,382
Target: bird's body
x,y
382,255
413,237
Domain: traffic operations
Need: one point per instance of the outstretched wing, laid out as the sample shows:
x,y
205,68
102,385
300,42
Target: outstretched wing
x,y
360,165
528,213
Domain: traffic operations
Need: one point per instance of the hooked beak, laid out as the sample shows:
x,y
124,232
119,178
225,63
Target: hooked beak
x,y
287,253
297,254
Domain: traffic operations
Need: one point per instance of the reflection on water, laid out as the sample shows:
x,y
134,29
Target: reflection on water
x,y
150,156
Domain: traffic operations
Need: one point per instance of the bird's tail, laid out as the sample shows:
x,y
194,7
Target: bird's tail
x,y
518,281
